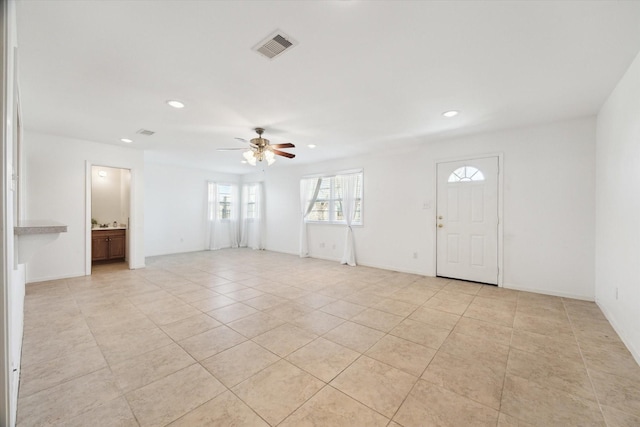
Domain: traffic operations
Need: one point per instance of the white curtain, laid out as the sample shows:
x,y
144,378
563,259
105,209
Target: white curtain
x,y
252,223
349,199
221,232
213,230
307,187
234,218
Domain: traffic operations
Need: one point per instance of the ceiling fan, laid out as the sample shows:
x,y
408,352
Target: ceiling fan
x,y
260,149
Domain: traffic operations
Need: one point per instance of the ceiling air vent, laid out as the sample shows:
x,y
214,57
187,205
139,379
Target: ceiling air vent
x,y
274,45
145,132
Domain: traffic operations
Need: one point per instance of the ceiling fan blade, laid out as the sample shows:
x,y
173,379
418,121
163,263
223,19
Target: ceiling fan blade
x,y
241,139
285,145
230,149
283,154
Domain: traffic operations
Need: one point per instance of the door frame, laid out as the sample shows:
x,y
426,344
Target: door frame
x,y
434,218
131,261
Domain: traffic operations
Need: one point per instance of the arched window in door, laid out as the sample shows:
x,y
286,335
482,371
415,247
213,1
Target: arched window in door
x,y
466,174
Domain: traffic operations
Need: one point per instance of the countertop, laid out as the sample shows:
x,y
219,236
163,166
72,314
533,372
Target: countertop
x,y
107,228
39,227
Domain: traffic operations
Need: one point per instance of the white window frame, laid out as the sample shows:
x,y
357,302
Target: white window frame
x,y
333,198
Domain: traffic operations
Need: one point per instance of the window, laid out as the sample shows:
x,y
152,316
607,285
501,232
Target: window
x,y
224,201
251,198
466,174
220,201
327,207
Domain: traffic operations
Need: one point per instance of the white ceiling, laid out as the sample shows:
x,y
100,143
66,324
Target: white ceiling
x,y
365,75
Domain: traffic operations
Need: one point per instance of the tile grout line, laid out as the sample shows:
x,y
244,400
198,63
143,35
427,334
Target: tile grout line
x,y
506,367
108,365
584,362
363,354
419,377
438,351
123,394
396,283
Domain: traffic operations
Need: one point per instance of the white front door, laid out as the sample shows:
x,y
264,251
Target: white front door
x,y
467,220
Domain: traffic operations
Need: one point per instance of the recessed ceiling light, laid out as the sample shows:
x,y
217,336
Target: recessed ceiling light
x,y
311,145
127,140
175,104
244,162
451,113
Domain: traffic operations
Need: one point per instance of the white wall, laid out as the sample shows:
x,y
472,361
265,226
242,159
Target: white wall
x,y
56,189
548,217
618,208
176,206
110,195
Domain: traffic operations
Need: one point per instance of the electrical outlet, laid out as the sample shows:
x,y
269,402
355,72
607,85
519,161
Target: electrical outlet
x,y
415,255
616,292
322,245
333,246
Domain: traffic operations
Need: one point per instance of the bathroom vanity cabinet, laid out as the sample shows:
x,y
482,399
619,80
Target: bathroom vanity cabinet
x,y
108,244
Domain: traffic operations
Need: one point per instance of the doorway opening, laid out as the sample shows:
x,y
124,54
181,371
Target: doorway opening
x,y
110,215
468,220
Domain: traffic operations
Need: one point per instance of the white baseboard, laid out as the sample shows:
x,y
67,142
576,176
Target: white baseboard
x,y
620,331
71,276
548,292
56,277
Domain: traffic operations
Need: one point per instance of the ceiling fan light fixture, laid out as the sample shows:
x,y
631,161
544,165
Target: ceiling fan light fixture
x,y
450,113
261,150
269,157
250,157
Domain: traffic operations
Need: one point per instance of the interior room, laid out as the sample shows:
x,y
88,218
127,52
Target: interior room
x,y
337,213
110,199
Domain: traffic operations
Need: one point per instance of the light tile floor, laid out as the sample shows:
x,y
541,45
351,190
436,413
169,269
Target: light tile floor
x,y
253,338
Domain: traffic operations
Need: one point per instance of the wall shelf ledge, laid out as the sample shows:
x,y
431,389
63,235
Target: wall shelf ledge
x,y
33,235
39,227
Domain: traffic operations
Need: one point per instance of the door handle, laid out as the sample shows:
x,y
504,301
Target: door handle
x,y
440,225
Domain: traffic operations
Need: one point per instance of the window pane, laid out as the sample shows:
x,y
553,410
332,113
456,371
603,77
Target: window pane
x,y
357,216
224,201
338,215
466,174
320,211
325,189
359,186
311,187
337,197
337,187
251,210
